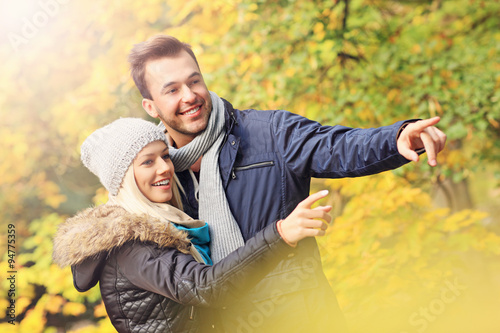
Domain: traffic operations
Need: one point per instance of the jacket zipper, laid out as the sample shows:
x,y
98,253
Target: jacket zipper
x,y
250,166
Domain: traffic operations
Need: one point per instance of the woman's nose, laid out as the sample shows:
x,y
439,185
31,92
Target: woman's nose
x,y
163,166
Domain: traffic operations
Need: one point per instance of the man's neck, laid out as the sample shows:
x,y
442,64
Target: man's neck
x,y
180,140
197,165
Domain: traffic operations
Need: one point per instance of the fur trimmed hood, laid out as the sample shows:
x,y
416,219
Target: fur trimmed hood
x,y
103,228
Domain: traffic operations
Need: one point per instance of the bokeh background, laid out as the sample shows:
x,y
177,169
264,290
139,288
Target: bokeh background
x,y
413,250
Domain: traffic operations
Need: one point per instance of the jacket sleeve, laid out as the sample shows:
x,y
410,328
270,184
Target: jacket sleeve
x,y
179,277
313,150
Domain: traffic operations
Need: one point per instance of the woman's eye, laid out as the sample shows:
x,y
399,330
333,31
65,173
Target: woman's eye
x,y
166,156
147,162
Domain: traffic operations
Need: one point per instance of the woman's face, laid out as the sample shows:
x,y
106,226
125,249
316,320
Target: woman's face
x,y
153,172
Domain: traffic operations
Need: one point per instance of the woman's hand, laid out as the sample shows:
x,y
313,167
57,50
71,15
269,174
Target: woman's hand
x,y
305,221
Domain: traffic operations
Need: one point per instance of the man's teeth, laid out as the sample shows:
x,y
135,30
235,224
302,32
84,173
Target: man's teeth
x,y
192,111
163,182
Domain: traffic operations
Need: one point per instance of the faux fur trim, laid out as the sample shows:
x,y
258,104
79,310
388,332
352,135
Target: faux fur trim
x,y
106,227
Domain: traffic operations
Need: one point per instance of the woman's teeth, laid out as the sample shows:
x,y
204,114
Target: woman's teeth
x,y
161,183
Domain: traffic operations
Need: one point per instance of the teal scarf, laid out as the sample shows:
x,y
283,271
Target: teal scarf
x,y
200,237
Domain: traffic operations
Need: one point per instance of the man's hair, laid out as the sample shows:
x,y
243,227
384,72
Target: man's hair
x,y
156,47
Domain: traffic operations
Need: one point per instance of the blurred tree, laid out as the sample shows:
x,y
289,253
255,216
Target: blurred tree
x,y
355,62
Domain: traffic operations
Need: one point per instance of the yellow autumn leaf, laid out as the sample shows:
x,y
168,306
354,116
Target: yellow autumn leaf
x,y
416,49
393,94
9,328
456,158
54,304
51,194
492,243
319,31
73,309
22,302
4,303
35,319
452,223
100,310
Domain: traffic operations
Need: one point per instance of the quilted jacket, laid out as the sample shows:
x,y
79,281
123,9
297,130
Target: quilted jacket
x,y
147,279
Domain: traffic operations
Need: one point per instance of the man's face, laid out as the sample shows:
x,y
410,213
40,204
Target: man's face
x,y
180,97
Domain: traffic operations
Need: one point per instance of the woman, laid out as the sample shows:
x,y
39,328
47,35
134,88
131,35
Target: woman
x,y
151,260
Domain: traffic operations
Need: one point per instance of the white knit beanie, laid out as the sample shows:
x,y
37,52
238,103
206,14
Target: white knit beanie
x,y
109,151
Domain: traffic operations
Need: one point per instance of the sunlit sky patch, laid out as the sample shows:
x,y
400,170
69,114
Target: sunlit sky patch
x,y
12,14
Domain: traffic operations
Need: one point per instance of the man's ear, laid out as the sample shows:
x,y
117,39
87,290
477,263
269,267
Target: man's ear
x,y
149,106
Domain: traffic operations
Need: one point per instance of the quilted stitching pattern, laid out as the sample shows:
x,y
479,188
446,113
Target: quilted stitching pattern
x,y
148,312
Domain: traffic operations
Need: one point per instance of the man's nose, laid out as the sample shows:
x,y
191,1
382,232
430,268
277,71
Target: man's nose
x,y
188,95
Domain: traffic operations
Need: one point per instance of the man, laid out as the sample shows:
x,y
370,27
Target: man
x,y
252,168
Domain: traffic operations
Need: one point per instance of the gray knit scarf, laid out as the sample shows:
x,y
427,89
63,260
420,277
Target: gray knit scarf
x,y
225,235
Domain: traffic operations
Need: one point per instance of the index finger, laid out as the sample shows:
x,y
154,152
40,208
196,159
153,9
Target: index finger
x,y
422,124
310,200
429,148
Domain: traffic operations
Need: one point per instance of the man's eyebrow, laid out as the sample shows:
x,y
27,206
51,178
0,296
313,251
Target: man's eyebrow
x,y
168,84
194,74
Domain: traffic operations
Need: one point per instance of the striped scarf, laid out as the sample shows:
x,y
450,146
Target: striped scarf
x,y
225,235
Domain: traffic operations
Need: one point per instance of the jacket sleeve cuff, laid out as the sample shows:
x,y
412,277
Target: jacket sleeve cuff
x,y
280,231
275,241
403,126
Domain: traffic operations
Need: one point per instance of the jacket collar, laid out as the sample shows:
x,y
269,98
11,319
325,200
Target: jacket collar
x,y
228,153
229,116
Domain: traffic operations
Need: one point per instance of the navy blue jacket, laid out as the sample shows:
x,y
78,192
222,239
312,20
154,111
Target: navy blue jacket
x,y
266,164
269,158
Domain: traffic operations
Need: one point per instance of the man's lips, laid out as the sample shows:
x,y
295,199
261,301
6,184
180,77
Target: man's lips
x,y
191,111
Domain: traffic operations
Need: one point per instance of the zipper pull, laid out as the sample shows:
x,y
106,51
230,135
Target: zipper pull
x,y
191,313
233,174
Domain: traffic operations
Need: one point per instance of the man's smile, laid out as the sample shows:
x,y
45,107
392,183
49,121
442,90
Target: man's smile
x,y
191,112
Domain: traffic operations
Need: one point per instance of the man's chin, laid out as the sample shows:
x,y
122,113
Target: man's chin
x,y
194,131
199,130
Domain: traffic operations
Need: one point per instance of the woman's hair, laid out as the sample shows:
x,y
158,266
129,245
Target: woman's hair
x,y
132,200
